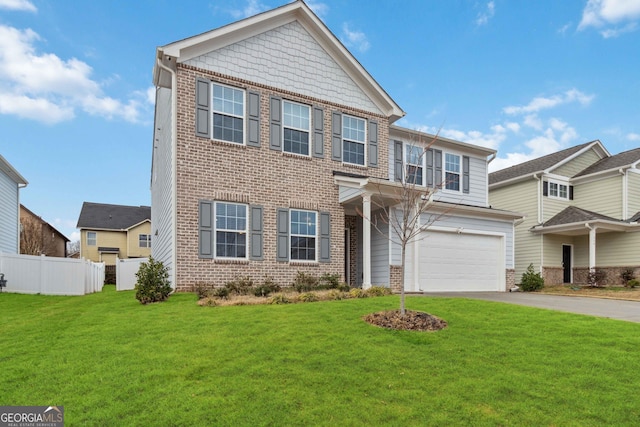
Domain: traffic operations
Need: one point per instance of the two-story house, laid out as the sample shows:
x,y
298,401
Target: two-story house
x,y
271,146
111,231
582,206
10,184
38,237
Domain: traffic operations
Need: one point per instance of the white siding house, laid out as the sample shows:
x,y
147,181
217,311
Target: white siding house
x,y
10,183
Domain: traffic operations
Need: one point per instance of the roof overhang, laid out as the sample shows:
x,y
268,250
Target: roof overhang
x,y
12,173
192,47
425,138
584,227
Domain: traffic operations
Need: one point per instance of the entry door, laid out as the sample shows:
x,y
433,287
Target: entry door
x,y
347,256
566,263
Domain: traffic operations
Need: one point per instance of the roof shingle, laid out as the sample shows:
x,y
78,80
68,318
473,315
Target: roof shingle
x,y
621,159
111,217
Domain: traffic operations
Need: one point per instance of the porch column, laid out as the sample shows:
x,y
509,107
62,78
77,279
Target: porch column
x,y
592,247
366,241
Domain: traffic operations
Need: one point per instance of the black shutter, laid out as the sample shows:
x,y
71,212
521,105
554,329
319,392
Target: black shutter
x,y
397,161
253,120
205,229
325,237
318,132
465,174
429,155
437,160
255,233
545,188
203,108
282,224
373,144
275,136
571,192
336,136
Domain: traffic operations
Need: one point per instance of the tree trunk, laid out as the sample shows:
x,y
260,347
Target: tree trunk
x,y
402,309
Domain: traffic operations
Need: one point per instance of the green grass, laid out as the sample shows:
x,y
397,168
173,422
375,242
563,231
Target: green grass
x,y
111,361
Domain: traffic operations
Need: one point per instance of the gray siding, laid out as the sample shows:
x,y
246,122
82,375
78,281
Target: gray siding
x,y
633,193
380,254
578,164
162,185
273,59
9,214
603,196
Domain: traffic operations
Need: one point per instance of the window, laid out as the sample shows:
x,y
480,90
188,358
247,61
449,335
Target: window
x,y
303,226
230,230
228,114
144,240
353,140
92,237
296,124
558,190
452,172
414,164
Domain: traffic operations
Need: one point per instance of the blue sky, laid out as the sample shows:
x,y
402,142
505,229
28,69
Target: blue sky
x,y
524,77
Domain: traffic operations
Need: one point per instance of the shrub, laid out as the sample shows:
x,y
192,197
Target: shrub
x,y
633,283
153,282
344,287
531,281
266,288
357,293
222,293
329,281
202,290
626,275
378,291
305,282
336,294
308,297
596,277
279,299
240,286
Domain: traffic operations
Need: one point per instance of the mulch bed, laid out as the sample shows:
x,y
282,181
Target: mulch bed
x,y
411,321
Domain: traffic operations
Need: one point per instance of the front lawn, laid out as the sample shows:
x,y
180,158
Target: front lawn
x,y
111,361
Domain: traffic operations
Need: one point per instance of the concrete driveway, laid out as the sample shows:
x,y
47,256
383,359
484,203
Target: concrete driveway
x,y
610,308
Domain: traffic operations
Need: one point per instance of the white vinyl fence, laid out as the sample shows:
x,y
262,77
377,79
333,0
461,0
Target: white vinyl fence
x,y
29,274
126,270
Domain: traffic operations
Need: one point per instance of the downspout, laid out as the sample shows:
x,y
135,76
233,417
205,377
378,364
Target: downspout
x,y
174,165
486,188
540,217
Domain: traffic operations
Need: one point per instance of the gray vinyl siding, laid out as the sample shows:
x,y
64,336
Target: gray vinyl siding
x,y
617,249
577,165
552,206
633,193
346,193
380,254
9,214
603,196
523,198
162,184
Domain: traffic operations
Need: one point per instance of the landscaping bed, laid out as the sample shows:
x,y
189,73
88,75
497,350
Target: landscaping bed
x,y
615,292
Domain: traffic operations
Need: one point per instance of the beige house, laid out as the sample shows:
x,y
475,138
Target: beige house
x,y
38,237
272,149
582,209
109,231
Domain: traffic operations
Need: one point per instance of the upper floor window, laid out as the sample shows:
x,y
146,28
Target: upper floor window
x,y
228,114
144,240
353,140
296,124
560,191
92,238
414,164
303,235
230,230
452,172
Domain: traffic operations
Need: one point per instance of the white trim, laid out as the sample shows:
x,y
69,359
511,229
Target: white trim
x,y
244,112
228,230
444,172
316,236
308,130
364,142
405,164
558,183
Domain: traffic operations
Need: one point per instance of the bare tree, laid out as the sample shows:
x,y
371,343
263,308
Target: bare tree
x,y
73,247
31,236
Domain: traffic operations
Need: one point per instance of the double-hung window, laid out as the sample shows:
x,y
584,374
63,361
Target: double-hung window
x,y
92,237
558,190
452,172
414,164
144,240
230,230
353,140
303,235
228,114
296,124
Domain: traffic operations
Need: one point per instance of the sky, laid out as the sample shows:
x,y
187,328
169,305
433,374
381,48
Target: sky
x,y
526,78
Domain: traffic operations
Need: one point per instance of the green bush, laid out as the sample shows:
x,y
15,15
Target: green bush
x,y
626,275
305,282
531,281
329,281
202,290
222,293
153,282
240,286
633,283
266,288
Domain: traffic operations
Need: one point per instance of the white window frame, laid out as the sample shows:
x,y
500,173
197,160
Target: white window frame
x,y
147,242
243,117
445,171
316,236
299,129
95,238
352,140
556,193
244,231
406,164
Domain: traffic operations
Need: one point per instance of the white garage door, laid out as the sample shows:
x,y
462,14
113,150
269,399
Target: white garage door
x,y
460,262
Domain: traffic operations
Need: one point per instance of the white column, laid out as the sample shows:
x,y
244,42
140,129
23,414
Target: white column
x,y
366,241
592,247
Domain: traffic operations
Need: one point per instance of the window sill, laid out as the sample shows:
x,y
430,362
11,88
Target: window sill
x,y
230,261
227,143
355,166
296,156
305,263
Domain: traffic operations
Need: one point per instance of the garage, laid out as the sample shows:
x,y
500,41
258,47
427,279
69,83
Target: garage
x,y
457,261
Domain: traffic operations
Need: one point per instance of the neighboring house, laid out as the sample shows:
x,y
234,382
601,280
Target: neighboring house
x,y
38,237
272,142
582,206
110,231
10,183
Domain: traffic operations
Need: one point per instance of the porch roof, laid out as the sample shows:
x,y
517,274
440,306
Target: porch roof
x,y
573,220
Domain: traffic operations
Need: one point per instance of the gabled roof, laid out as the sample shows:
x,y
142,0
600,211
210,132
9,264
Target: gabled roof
x,y
198,45
44,222
624,159
10,171
574,221
99,216
536,165
427,138
573,214
635,218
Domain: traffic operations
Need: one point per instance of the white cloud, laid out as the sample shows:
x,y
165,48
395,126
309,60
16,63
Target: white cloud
x,y
533,121
319,8
354,39
22,5
633,137
510,160
253,7
46,88
607,13
484,16
543,103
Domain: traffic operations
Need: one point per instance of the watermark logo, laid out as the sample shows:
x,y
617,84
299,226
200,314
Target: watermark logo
x,y
31,416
